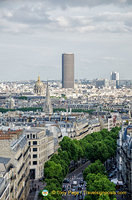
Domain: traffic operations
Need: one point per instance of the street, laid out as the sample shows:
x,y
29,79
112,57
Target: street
x,y
75,191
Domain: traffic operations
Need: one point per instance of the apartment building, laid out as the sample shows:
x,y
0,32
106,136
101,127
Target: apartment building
x,y
4,178
124,159
41,144
14,162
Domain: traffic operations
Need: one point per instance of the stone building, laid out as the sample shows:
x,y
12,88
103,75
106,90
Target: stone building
x,y
14,162
5,171
41,144
124,159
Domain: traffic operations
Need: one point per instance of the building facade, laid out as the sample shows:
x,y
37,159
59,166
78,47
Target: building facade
x,y
67,70
124,159
5,171
41,144
115,76
14,157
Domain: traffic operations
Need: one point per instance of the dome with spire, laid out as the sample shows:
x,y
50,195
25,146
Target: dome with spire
x,y
39,87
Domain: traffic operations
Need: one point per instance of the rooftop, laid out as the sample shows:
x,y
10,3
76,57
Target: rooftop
x,y
34,130
4,160
6,135
1,180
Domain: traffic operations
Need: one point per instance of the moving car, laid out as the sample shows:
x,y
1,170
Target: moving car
x,y
74,183
73,189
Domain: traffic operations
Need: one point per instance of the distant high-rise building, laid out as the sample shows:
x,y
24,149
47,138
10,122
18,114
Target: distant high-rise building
x,y
115,76
67,70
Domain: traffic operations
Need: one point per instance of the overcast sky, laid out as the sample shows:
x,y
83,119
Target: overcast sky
x,y
35,33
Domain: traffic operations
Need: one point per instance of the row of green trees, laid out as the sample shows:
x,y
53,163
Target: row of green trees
x,y
82,110
99,145
34,109
97,181
59,109
27,109
23,98
55,170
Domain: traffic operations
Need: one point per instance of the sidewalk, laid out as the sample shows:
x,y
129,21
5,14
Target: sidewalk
x,y
36,195
35,187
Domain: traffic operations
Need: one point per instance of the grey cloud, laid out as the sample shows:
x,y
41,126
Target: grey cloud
x,y
68,3
128,23
26,14
29,16
101,22
90,3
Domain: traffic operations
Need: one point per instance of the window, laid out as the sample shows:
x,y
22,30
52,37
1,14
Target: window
x,y
34,149
19,157
34,142
34,162
34,155
33,136
27,136
29,143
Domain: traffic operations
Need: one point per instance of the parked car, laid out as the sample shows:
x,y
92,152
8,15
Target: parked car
x,y
83,161
64,189
69,187
79,188
80,197
81,182
66,181
111,174
73,186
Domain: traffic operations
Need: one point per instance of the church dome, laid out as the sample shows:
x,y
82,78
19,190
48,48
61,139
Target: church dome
x,y
39,87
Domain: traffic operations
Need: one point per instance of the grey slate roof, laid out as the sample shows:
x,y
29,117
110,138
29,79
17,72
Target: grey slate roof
x,y
4,160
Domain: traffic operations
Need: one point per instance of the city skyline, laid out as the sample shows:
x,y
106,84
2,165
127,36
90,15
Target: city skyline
x,y
98,33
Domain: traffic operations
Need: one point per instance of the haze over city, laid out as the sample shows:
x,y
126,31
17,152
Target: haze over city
x,y
34,34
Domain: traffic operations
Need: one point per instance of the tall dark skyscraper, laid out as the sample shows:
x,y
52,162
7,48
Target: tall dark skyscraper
x,y
68,70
